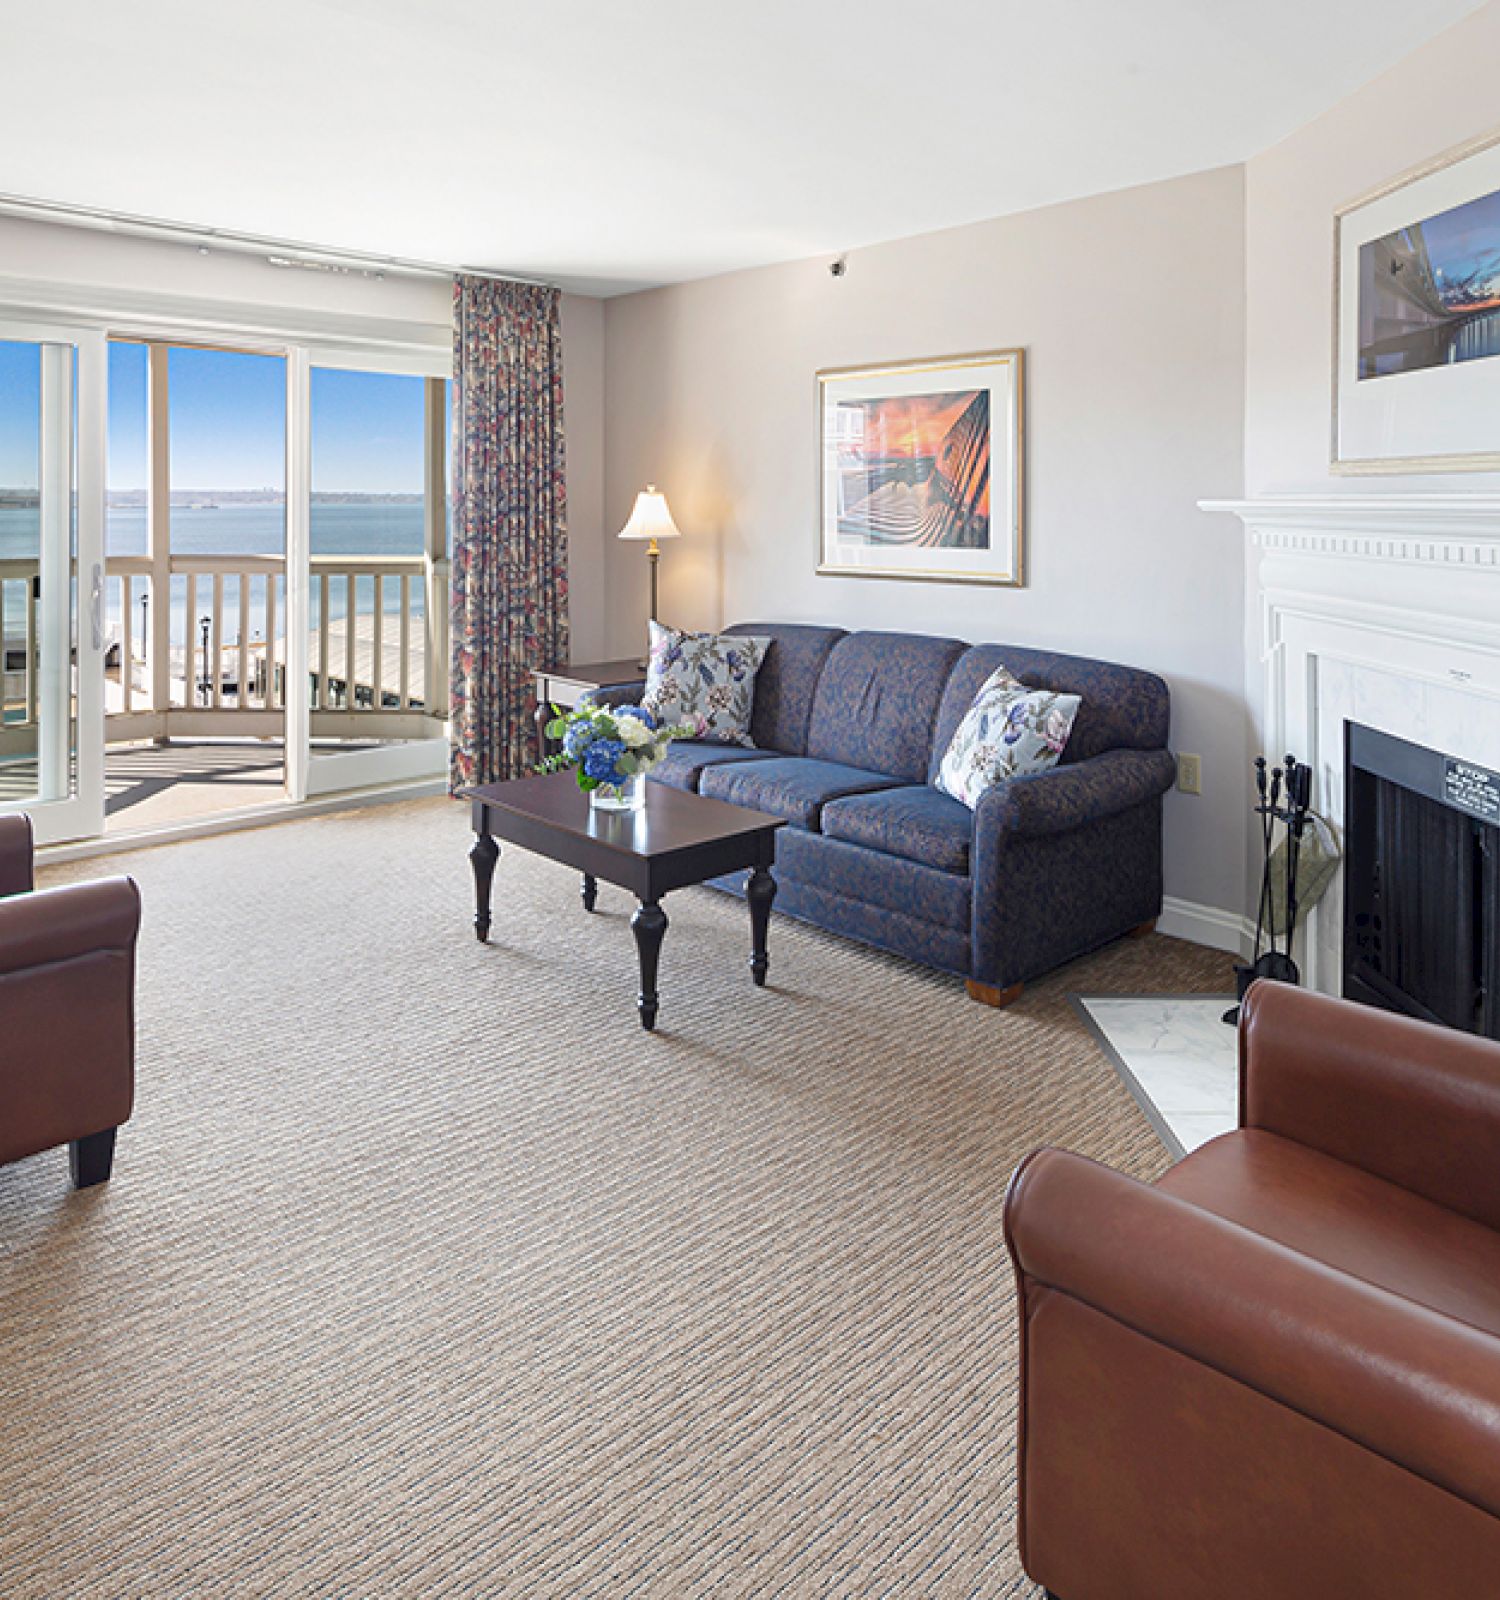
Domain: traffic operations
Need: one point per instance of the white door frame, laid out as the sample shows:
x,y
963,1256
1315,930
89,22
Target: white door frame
x,y
71,563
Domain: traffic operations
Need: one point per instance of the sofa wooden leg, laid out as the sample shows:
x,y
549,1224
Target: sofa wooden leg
x,y
1141,930
91,1158
988,995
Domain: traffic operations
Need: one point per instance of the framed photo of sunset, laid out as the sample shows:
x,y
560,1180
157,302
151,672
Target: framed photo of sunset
x,y
921,469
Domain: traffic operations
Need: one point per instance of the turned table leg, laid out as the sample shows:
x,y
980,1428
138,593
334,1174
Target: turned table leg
x,y
589,892
760,891
649,925
482,858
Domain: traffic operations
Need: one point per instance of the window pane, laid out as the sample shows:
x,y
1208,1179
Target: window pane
x,y
367,463
125,516
368,506
228,433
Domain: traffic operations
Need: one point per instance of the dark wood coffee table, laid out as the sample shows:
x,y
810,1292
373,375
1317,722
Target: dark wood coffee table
x,y
675,840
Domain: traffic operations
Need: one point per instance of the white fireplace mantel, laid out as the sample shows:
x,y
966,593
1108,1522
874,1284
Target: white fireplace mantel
x,y
1376,609
1427,529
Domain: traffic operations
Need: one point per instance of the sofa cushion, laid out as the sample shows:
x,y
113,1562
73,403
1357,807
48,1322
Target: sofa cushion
x,y
878,699
917,823
787,681
793,787
1123,708
683,764
1347,1219
705,680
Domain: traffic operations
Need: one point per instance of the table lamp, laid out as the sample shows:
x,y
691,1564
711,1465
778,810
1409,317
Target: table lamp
x,y
651,520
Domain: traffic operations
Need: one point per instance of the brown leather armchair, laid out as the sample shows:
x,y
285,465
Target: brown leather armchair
x,y
1275,1373
67,1011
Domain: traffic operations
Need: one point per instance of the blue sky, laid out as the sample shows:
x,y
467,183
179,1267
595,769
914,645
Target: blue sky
x,y
228,423
1464,245
20,392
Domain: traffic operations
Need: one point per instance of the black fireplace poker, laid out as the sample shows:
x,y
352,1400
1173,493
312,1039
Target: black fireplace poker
x,y
1284,794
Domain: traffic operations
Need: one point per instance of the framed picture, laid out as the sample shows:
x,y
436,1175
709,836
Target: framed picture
x,y
1416,383
921,469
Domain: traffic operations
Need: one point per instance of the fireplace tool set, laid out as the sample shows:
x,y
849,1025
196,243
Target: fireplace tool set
x,y
1285,795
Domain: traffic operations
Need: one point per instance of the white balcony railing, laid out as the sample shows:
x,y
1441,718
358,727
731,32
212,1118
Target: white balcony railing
x,y
216,664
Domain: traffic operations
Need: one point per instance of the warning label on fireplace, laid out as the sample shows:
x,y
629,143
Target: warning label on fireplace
x,y
1471,789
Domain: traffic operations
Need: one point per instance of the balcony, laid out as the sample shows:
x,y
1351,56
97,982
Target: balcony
x,y
195,693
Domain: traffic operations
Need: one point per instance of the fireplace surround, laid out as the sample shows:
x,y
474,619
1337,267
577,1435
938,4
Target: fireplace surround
x,y
1381,610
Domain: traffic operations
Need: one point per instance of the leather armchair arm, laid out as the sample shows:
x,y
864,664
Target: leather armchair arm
x,y
1409,1102
1417,1388
58,924
1068,797
15,854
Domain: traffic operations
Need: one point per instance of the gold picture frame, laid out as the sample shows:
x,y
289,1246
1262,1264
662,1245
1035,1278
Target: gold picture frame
x,y
921,469
1392,413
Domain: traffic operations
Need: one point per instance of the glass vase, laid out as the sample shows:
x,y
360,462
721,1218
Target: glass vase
x,y
627,796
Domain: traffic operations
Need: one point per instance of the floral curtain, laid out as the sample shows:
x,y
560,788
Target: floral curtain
x,y
510,524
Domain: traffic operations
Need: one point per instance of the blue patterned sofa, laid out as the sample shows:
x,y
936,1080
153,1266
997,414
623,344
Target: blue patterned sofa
x,y
849,730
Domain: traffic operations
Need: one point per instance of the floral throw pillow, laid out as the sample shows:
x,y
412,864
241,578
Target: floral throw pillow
x,y
705,679
1010,730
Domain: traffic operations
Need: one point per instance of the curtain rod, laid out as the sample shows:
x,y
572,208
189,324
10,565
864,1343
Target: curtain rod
x,y
278,252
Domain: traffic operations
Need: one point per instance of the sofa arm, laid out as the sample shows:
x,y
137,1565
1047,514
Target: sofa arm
x,y
15,854
1063,798
54,925
1415,1104
1420,1389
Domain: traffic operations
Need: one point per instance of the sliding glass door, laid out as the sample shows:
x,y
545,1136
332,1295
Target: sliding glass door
x,y
52,626
277,577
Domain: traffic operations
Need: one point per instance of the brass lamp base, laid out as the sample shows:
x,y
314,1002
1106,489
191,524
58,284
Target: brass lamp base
x,y
653,555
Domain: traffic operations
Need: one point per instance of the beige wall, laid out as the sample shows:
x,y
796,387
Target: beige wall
x,y
1130,306
1442,95
1438,97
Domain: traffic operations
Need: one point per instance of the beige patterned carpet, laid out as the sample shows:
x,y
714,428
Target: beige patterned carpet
x,y
425,1272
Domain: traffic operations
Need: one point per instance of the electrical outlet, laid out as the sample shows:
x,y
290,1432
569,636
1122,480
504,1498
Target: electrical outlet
x,y
1190,774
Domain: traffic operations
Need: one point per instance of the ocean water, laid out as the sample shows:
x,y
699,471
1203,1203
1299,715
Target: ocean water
x,y
357,529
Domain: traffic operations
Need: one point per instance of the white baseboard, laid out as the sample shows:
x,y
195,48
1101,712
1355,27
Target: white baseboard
x,y
1207,925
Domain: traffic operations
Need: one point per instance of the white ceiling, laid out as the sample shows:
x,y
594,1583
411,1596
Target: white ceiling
x,y
609,144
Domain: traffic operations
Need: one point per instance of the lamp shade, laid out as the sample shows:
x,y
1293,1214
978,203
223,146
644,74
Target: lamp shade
x,y
651,519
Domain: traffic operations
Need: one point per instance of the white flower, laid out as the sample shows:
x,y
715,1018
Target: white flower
x,y
634,733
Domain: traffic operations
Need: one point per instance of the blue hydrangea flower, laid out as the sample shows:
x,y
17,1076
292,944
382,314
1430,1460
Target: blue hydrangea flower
x,y
575,739
599,761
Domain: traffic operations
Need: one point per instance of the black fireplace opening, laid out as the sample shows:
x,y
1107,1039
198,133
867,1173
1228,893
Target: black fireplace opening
x,y
1421,882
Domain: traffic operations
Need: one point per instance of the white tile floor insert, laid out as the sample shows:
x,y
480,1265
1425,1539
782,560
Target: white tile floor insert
x,y
1176,1057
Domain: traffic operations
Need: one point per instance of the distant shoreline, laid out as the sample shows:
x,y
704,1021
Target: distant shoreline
x,y
126,499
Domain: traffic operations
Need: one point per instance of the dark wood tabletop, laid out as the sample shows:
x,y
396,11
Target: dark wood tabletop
x,y
671,820
595,674
676,839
